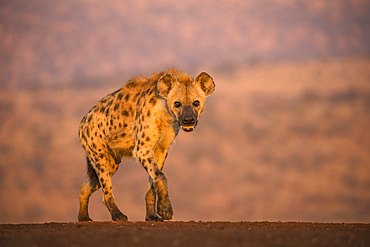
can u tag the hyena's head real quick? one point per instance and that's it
(186, 97)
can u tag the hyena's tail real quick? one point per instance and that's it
(94, 180)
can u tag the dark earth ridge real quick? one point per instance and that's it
(191, 233)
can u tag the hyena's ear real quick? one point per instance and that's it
(206, 82)
(165, 84)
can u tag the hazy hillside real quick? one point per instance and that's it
(278, 141)
(50, 43)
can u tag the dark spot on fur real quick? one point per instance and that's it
(89, 119)
(107, 112)
(123, 134)
(88, 132)
(153, 100)
(119, 96)
(84, 137)
(137, 95)
(162, 149)
(147, 139)
(101, 180)
(157, 173)
(143, 135)
(105, 192)
(102, 109)
(127, 97)
(102, 170)
(125, 125)
(130, 83)
(148, 114)
(94, 145)
(147, 152)
(125, 113)
(116, 107)
(149, 160)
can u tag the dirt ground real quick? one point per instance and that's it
(178, 233)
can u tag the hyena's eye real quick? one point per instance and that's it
(196, 103)
(177, 104)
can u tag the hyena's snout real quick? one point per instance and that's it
(188, 120)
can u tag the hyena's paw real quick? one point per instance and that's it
(118, 216)
(154, 218)
(84, 219)
(164, 209)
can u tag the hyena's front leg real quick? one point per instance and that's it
(150, 201)
(164, 205)
(158, 186)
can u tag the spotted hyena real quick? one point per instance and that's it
(140, 120)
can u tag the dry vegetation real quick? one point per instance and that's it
(279, 141)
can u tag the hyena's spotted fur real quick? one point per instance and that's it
(140, 120)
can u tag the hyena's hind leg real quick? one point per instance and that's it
(106, 167)
(89, 187)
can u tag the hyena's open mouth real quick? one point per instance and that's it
(188, 128)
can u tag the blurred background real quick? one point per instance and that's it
(284, 137)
